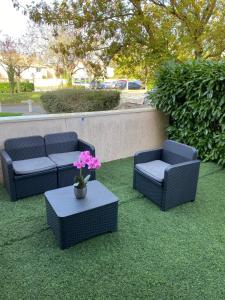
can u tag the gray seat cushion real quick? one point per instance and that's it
(64, 159)
(154, 169)
(32, 165)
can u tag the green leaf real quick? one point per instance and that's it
(87, 178)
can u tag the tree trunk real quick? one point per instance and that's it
(198, 52)
(18, 81)
(69, 79)
(11, 78)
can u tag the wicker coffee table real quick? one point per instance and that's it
(73, 221)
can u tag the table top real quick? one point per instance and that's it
(65, 204)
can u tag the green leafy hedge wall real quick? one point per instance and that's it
(193, 95)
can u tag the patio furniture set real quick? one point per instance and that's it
(32, 165)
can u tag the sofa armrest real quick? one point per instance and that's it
(7, 163)
(180, 183)
(148, 155)
(84, 146)
(8, 174)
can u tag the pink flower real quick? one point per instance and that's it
(79, 164)
(84, 155)
(86, 158)
(98, 166)
(94, 163)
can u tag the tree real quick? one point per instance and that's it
(25, 59)
(15, 59)
(8, 60)
(68, 55)
(200, 26)
(154, 30)
(71, 54)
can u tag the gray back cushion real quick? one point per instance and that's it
(61, 142)
(25, 147)
(174, 152)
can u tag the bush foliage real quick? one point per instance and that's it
(79, 100)
(193, 95)
(24, 87)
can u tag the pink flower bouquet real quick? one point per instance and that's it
(85, 160)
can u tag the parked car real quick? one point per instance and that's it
(86, 85)
(104, 85)
(121, 84)
(95, 85)
(132, 85)
(110, 84)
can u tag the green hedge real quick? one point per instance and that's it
(193, 95)
(24, 87)
(79, 100)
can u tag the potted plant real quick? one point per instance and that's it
(92, 163)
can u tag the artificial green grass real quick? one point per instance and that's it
(6, 114)
(7, 98)
(178, 254)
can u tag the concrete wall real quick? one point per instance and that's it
(115, 134)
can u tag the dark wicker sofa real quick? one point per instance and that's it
(29, 166)
(167, 176)
(63, 149)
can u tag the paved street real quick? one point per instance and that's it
(23, 108)
(132, 96)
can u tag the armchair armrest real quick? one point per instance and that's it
(148, 155)
(84, 146)
(8, 174)
(180, 183)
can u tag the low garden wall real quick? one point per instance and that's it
(115, 134)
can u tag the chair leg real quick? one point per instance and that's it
(163, 208)
(134, 181)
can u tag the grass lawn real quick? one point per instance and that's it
(178, 254)
(17, 98)
(6, 114)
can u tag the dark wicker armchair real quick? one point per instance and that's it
(168, 176)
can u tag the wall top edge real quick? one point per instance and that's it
(74, 115)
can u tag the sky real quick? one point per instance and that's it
(12, 22)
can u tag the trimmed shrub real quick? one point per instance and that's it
(193, 95)
(79, 100)
(4, 87)
(24, 87)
